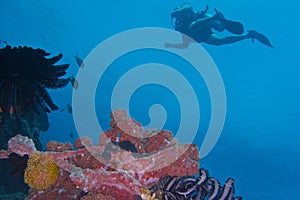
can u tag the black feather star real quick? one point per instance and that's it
(202, 187)
(25, 76)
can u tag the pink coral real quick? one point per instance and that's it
(107, 169)
(58, 146)
(21, 145)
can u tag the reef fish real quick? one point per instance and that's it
(79, 61)
(74, 82)
(68, 107)
(3, 41)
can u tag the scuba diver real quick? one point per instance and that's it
(199, 26)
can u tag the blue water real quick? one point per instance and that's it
(259, 143)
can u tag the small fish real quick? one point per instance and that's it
(71, 135)
(69, 108)
(3, 41)
(79, 61)
(74, 82)
(126, 145)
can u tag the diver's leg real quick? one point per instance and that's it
(201, 23)
(210, 21)
(177, 45)
(260, 37)
(215, 40)
(185, 43)
(217, 25)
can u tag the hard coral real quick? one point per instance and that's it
(58, 146)
(97, 196)
(41, 171)
(63, 189)
(111, 170)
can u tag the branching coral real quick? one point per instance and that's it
(25, 74)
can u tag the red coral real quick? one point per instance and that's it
(83, 142)
(109, 193)
(58, 146)
(97, 196)
(63, 189)
(125, 128)
(21, 145)
(158, 141)
(78, 144)
(107, 169)
(3, 154)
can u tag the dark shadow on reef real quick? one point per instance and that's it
(12, 184)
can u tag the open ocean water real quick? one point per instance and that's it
(259, 144)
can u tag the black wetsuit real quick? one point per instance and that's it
(201, 34)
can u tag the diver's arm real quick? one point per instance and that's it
(185, 43)
(207, 18)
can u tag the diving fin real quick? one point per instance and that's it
(260, 37)
(233, 26)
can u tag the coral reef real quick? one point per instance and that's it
(193, 188)
(58, 146)
(97, 196)
(25, 76)
(63, 189)
(41, 171)
(144, 164)
(29, 125)
(21, 146)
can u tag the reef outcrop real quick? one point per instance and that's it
(128, 163)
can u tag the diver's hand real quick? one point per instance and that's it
(218, 16)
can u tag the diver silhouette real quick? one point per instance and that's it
(199, 26)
